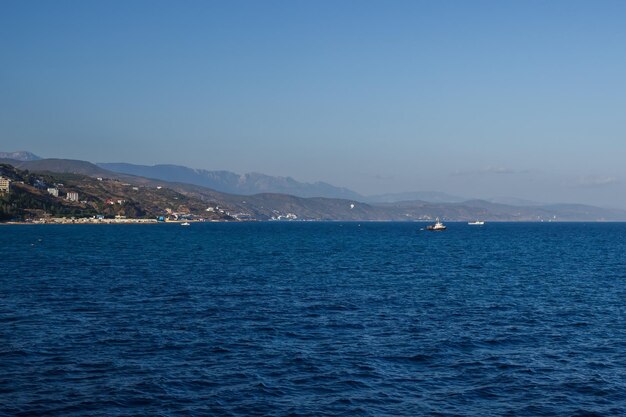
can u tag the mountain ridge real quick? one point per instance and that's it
(249, 183)
(19, 156)
(268, 206)
(233, 183)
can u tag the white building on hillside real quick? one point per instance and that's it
(72, 196)
(5, 185)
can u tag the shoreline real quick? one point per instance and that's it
(101, 222)
(154, 221)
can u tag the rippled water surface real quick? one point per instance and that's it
(313, 319)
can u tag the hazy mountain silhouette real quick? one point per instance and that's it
(429, 196)
(264, 206)
(254, 194)
(232, 183)
(19, 156)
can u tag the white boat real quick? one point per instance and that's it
(437, 227)
(185, 224)
(476, 223)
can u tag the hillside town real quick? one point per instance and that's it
(76, 199)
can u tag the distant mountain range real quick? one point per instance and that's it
(68, 166)
(19, 156)
(314, 201)
(429, 196)
(255, 183)
(230, 182)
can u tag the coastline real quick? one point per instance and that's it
(97, 221)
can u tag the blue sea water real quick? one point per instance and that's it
(313, 319)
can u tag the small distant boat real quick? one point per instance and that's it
(185, 224)
(437, 227)
(476, 223)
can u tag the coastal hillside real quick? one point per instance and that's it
(154, 197)
(35, 195)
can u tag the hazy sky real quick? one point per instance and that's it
(498, 98)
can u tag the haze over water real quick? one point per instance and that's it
(313, 319)
(481, 99)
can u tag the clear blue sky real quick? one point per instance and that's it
(478, 98)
